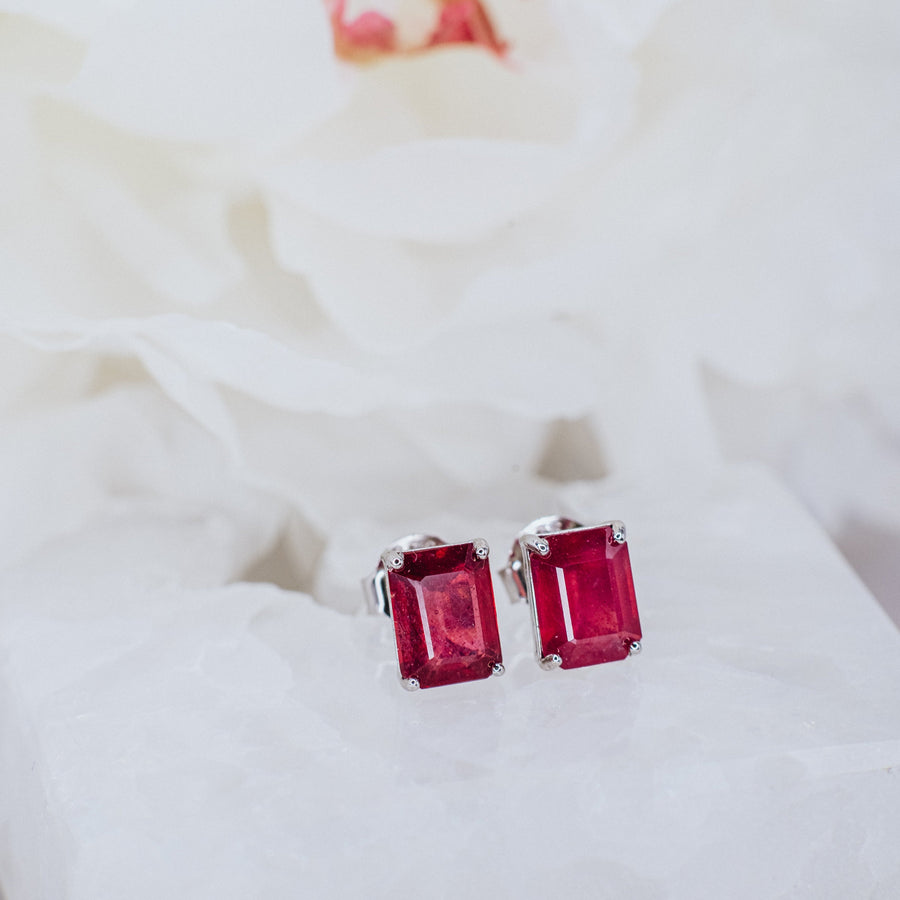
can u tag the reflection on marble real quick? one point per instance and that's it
(166, 734)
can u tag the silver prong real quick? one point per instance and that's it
(376, 586)
(498, 669)
(378, 592)
(634, 648)
(482, 550)
(550, 525)
(618, 532)
(553, 661)
(513, 580)
(392, 559)
(536, 543)
(410, 684)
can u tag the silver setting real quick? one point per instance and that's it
(536, 543)
(375, 587)
(377, 592)
(513, 579)
(550, 525)
(634, 648)
(516, 575)
(513, 575)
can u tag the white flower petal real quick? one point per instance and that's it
(213, 70)
(79, 17)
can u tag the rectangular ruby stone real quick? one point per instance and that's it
(445, 620)
(584, 597)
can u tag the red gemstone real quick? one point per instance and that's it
(445, 621)
(584, 597)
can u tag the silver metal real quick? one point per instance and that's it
(634, 648)
(550, 525)
(536, 543)
(516, 575)
(377, 593)
(417, 542)
(529, 537)
(511, 575)
(392, 559)
(375, 587)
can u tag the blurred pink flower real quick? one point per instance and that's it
(369, 34)
(372, 34)
(465, 22)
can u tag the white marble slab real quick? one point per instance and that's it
(163, 735)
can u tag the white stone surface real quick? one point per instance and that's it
(165, 734)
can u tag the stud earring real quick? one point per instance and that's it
(578, 584)
(441, 600)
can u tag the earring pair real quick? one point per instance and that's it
(576, 580)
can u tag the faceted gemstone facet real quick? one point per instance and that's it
(584, 597)
(445, 621)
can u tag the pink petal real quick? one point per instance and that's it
(372, 34)
(465, 22)
(369, 34)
